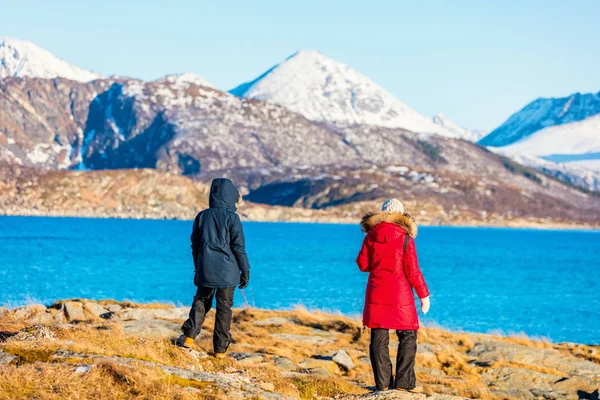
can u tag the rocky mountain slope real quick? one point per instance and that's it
(19, 58)
(325, 90)
(107, 349)
(181, 125)
(319, 195)
(542, 113)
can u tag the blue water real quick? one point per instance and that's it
(542, 283)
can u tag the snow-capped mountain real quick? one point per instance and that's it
(187, 78)
(471, 135)
(543, 113)
(575, 141)
(322, 89)
(19, 58)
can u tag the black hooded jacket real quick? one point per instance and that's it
(218, 244)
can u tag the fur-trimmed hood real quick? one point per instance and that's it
(404, 221)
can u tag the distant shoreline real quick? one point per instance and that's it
(513, 224)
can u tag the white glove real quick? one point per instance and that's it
(425, 304)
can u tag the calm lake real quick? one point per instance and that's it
(542, 283)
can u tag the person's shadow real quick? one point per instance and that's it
(582, 394)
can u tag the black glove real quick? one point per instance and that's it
(244, 279)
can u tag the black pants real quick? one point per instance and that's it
(405, 361)
(201, 305)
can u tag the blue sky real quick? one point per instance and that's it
(475, 61)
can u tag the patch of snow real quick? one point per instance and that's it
(181, 81)
(471, 135)
(576, 174)
(19, 58)
(575, 138)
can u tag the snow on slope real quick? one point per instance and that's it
(186, 78)
(471, 135)
(323, 89)
(573, 141)
(19, 58)
(575, 174)
(542, 113)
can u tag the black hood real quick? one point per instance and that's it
(223, 194)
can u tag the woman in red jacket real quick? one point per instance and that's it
(389, 256)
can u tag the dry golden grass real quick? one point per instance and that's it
(446, 368)
(537, 368)
(105, 380)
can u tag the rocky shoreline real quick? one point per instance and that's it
(106, 349)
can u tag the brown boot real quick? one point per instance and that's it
(416, 389)
(187, 342)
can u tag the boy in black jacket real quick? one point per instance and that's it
(219, 252)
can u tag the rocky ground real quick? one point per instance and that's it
(107, 349)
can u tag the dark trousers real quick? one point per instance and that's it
(201, 305)
(405, 361)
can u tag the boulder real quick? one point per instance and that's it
(268, 386)
(74, 311)
(313, 366)
(284, 364)
(95, 309)
(59, 317)
(27, 312)
(151, 328)
(247, 358)
(114, 308)
(318, 340)
(6, 358)
(275, 321)
(140, 314)
(342, 359)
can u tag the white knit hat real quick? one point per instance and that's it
(393, 206)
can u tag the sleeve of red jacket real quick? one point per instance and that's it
(364, 258)
(412, 271)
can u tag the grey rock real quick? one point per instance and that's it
(59, 317)
(33, 334)
(82, 369)
(114, 308)
(26, 312)
(320, 340)
(275, 321)
(141, 314)
(74, 311)
(95, 308)
(151, 328)
(247, 358)
(365, 360)
(342, 359)
(489, 352)
(6, 358)
(284, 364)
(318, 371)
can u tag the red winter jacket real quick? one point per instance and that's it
(389, 301)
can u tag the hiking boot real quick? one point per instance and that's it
(220, 356)
(187, 342)
(416, 389)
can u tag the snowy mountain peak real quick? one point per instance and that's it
(472, 135)
(19, 58)
(187, 77)
(323, 89)
(542, 113)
